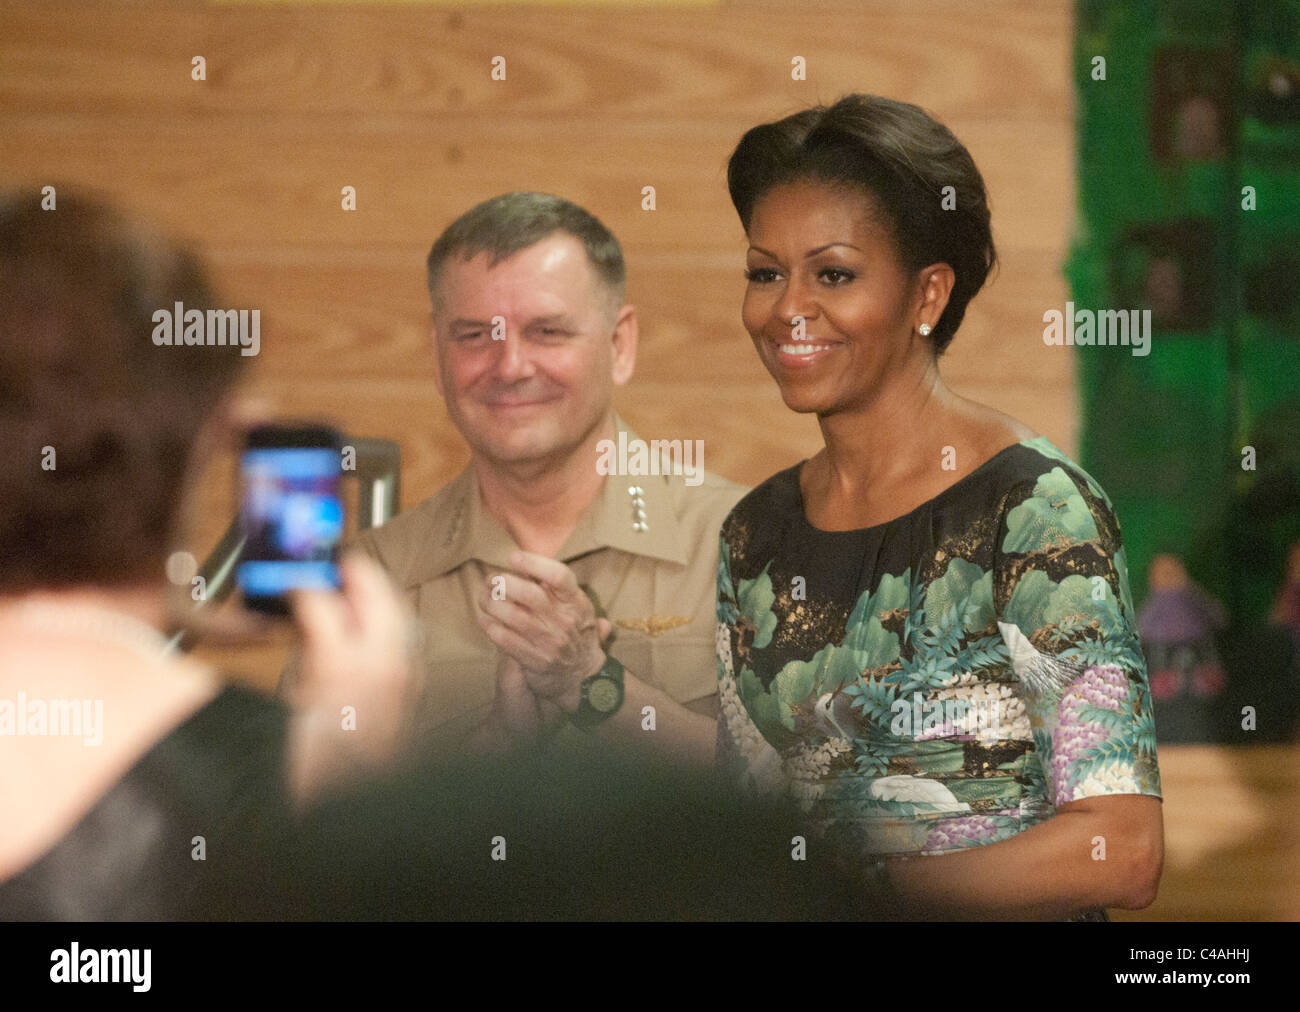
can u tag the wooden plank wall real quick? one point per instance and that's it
(301, 100)
(598, 101)
(398, 102)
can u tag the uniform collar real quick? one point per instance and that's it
(637, 515)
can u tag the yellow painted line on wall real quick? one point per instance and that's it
(467, 4)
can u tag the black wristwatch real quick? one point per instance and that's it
(602, 695)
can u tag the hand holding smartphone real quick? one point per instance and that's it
(357, 695)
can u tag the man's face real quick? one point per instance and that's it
(538, 389)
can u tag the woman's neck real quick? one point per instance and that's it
(890, 438)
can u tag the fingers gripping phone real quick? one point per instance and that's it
(292, 514)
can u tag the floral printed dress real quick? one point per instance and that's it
(944, 680)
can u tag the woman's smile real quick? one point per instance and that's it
(802, 354)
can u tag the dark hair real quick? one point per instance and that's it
(504, 225)
(903, 159)
(80, 374)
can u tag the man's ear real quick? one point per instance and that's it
(624, 338)
(436, 348)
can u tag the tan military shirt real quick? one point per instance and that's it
(647, 547)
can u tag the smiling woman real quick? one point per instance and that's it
(936, 554)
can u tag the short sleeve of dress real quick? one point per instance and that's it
(1066, 614)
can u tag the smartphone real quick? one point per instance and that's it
(292, 514)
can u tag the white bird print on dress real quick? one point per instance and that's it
(823, 712)
(1038, 672)
(908, 788)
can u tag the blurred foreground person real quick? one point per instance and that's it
(601, 834)
(133, 781)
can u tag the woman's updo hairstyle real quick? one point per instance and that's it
(903, 159)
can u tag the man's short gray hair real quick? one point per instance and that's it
(505, 225)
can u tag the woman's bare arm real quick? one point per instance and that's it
(1098, 852)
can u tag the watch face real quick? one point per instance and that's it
(603, 695)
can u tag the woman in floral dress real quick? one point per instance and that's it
(926, 634)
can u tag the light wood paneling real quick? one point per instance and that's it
(227, 181)
(1005, 59)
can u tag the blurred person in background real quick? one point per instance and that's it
(1286, 605)
(1180, 624)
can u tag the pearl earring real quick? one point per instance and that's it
(924, 329)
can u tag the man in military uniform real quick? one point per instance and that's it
(553, 595)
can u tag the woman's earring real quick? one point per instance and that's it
(924, 329)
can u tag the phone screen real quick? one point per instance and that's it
(292, 516)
